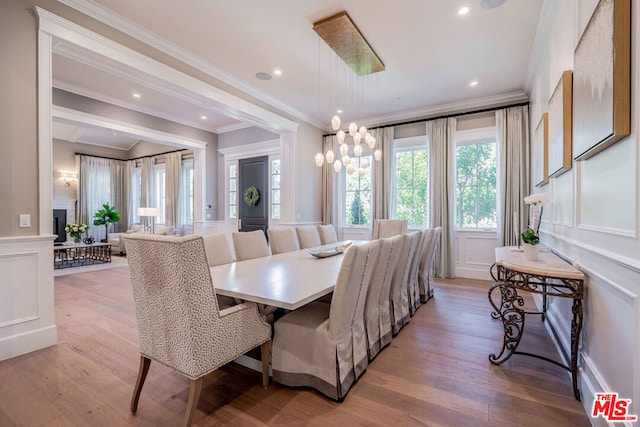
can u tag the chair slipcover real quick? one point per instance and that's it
(398, 296)
(376, 305)
(249, 245)
(308, 237)
(388, 227)
(179, 322)
(324, 345)
(283, 240)
(413, 290)
(327, 234)
(425, 276)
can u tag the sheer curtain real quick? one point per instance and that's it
(119, 193)
(94, 190)
(328, 216)
(440, 134)
(513, 159)
(382, 172)
(133, 193)
(173, 169)
(147, 184)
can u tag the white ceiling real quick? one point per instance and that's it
(430, 52)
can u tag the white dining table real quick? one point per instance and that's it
(288, 280)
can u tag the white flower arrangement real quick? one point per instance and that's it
(536, 203)
(76, 230)
(537, 199)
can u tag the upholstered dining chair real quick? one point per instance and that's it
(283, 240)
(376, 307)
(218, 249)
(327, 234)
(388, 228)
(308, 237)
(425, 275)
(398, 296)
(324, 345)
(413, 290)
(250, 244)
(179, 322)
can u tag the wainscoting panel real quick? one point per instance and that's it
(599, 208)
(27, 320)
(19, 285)
(562, 207)
(475, 253)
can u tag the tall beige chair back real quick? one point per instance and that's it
(179, 322)
(376, 309)
(388, 227)
(218, 249)
(413, 289)
(425, 276)
(324, 345)
(327, 234)
(283, 240)
(249, 245)
(398, 295)
(308, 237)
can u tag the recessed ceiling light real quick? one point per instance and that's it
(339, 111)
(203, 117)
(463, 10)
(277, 72)
(474, 83)
(136, 95)
(263, 76)
(490, 4)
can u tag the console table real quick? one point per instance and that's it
(549, 276)
(80, 254)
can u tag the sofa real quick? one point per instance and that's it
(117, 239)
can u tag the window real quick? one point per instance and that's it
(411, 191)
(358, 194)
(233, 191)
(161, 200)
(476, 195)
(275, 188)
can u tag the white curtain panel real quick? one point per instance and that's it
(327, 183)
(132, 194)
(173, 171)
(513, 159)
(118, 194)
(94, 182)
(442, 151)
(382, 172)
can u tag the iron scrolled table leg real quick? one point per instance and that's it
(576, 327)
(512, 317)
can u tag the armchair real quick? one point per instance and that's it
(179, 322)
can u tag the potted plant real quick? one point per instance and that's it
(531, 244)
(105, 216)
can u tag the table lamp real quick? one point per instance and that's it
(149, 212)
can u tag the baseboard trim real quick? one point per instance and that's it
(26, 342)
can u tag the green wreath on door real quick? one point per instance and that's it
(251, 196)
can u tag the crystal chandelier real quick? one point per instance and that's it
(358, 135)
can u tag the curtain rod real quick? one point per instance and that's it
(445, 116)
(135, 158)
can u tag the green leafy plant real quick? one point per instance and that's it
(105, 216)
(529, 236)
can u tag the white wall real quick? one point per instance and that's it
(593, 221)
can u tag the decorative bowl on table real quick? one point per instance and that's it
(327, 251)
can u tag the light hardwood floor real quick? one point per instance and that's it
(435, 373)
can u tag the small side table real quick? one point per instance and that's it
(549, 276)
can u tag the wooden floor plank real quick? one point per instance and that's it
(435, 372)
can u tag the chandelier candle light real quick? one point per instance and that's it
(358, 135)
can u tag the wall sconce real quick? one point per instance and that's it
(68, 177)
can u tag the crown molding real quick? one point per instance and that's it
(549, 16)
(107, 17)
(233, 127)
(445, 109)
